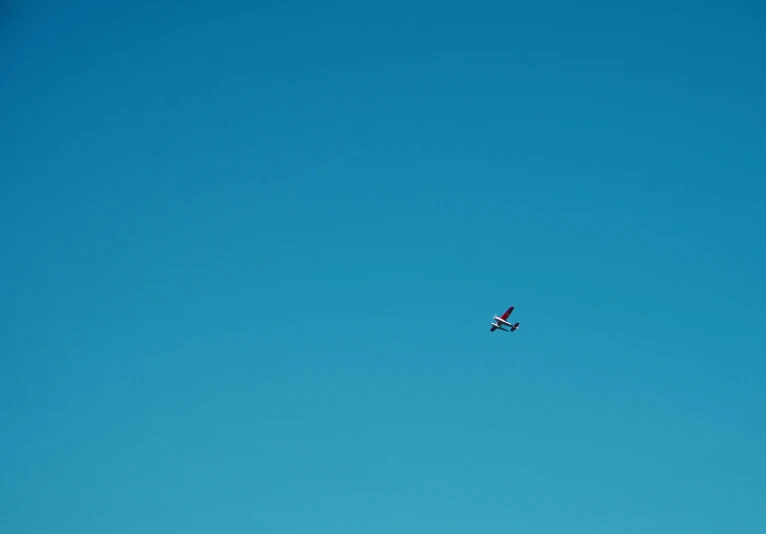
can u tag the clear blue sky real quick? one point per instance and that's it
(249, 255)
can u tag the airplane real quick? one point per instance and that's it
(501, 321)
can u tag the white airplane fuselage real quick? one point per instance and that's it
(501, 321)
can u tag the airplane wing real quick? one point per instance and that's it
(507, 313)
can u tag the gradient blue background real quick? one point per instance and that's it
(249, 256)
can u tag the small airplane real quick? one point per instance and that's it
(501, 321)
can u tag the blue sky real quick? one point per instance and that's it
(250, 254)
